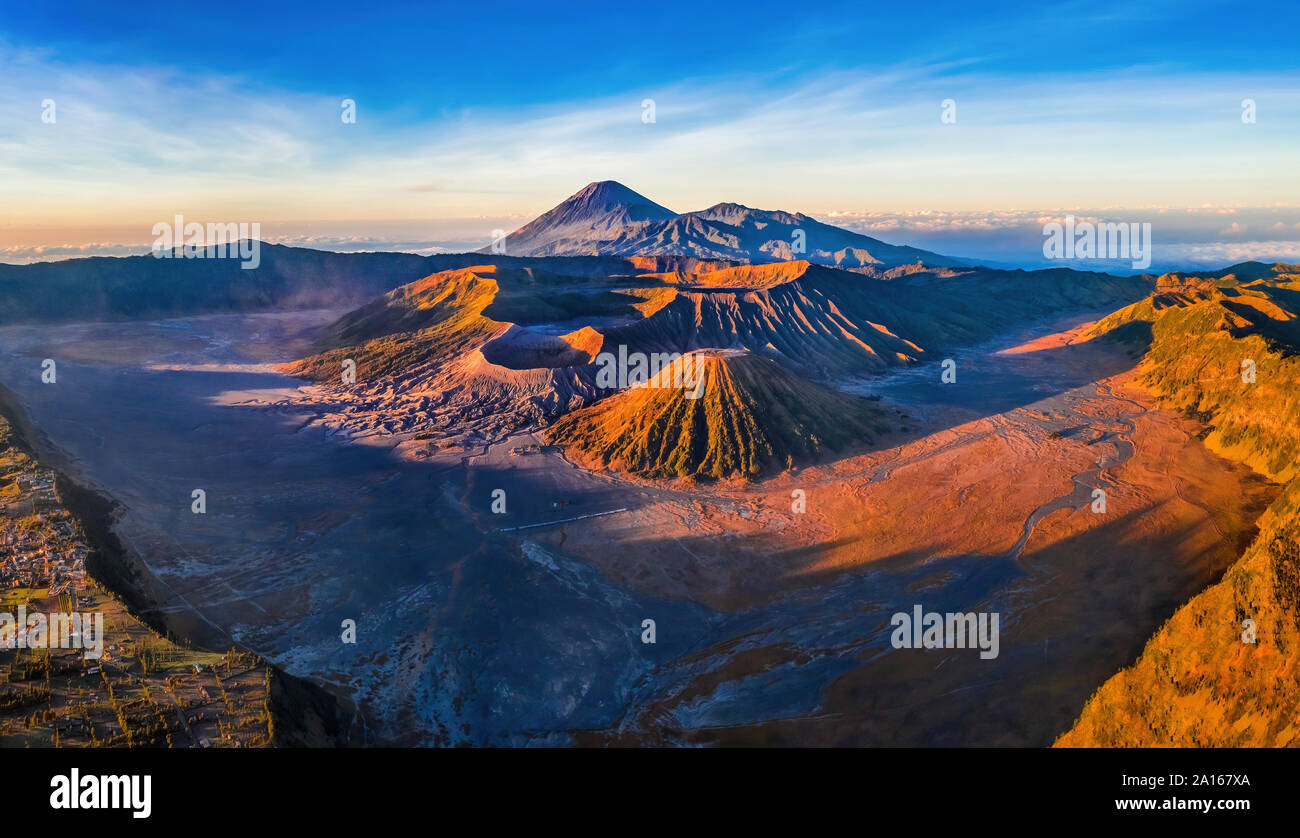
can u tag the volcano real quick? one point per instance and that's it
(608, 218)
(595, 214)
(745, 415)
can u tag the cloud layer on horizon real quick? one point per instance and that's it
(136, 145)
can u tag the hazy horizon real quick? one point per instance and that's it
(1191, 238)
(886, 123)
(418, 375)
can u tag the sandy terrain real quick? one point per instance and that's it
(524, 626)
(990, 514)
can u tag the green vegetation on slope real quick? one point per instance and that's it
(1198, 683)
(752, 416)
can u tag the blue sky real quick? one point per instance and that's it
(419, 59)
(474, 117)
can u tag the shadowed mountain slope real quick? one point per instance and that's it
(827, 322)
(596, 213)
(820, 321)
(113, 288)
(492, 350)
(124, 288)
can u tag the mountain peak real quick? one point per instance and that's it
(611, 189)
(745, 416)
(729, 206)
(729, 212)
(595, 213)
(606, 218)
(602, 196)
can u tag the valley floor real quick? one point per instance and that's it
(992, 513)
(772, 623)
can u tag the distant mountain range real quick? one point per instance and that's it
(607, 218)
(605, 230)
(128, 287)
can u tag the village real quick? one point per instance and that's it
(39, 540)
(139, 689)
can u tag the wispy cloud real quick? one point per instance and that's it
(134, 145)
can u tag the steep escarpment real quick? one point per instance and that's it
(1228, 355)
(214, 281)
(1200, 681)
(415, 324)
(432, 321)
(156, 649)
(827, 322)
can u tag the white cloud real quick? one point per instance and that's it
(137, 145)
